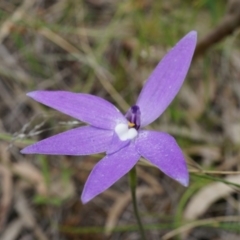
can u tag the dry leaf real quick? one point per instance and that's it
(32, 174)
(202, 200)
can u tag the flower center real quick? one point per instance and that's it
(133, 117)
(125, 133)
(129, 131)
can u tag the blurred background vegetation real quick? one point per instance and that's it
(109, 48)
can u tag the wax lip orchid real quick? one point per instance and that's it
(122, 137)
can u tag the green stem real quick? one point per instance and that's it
(133, 184)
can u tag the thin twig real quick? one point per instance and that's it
(201, 222)
(226, 27)
(6, 27)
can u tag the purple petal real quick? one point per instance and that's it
(116, 144)
(79, 141)
(162, 150)
(166, 80)
(108, 170)
(85, 107)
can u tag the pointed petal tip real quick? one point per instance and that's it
(184, 181)
(88, 194)
(192, 33)
(26, 151)
(31, 94)
(85, 199)
(23, 151)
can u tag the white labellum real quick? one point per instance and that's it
(125, 133)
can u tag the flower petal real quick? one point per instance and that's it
(162, 150)
(166, 80)
(116, 144)
(88, 108)
(108, 170)
(79, 141)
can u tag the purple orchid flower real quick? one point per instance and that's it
(122, 137)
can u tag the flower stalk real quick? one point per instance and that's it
(133, 185)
